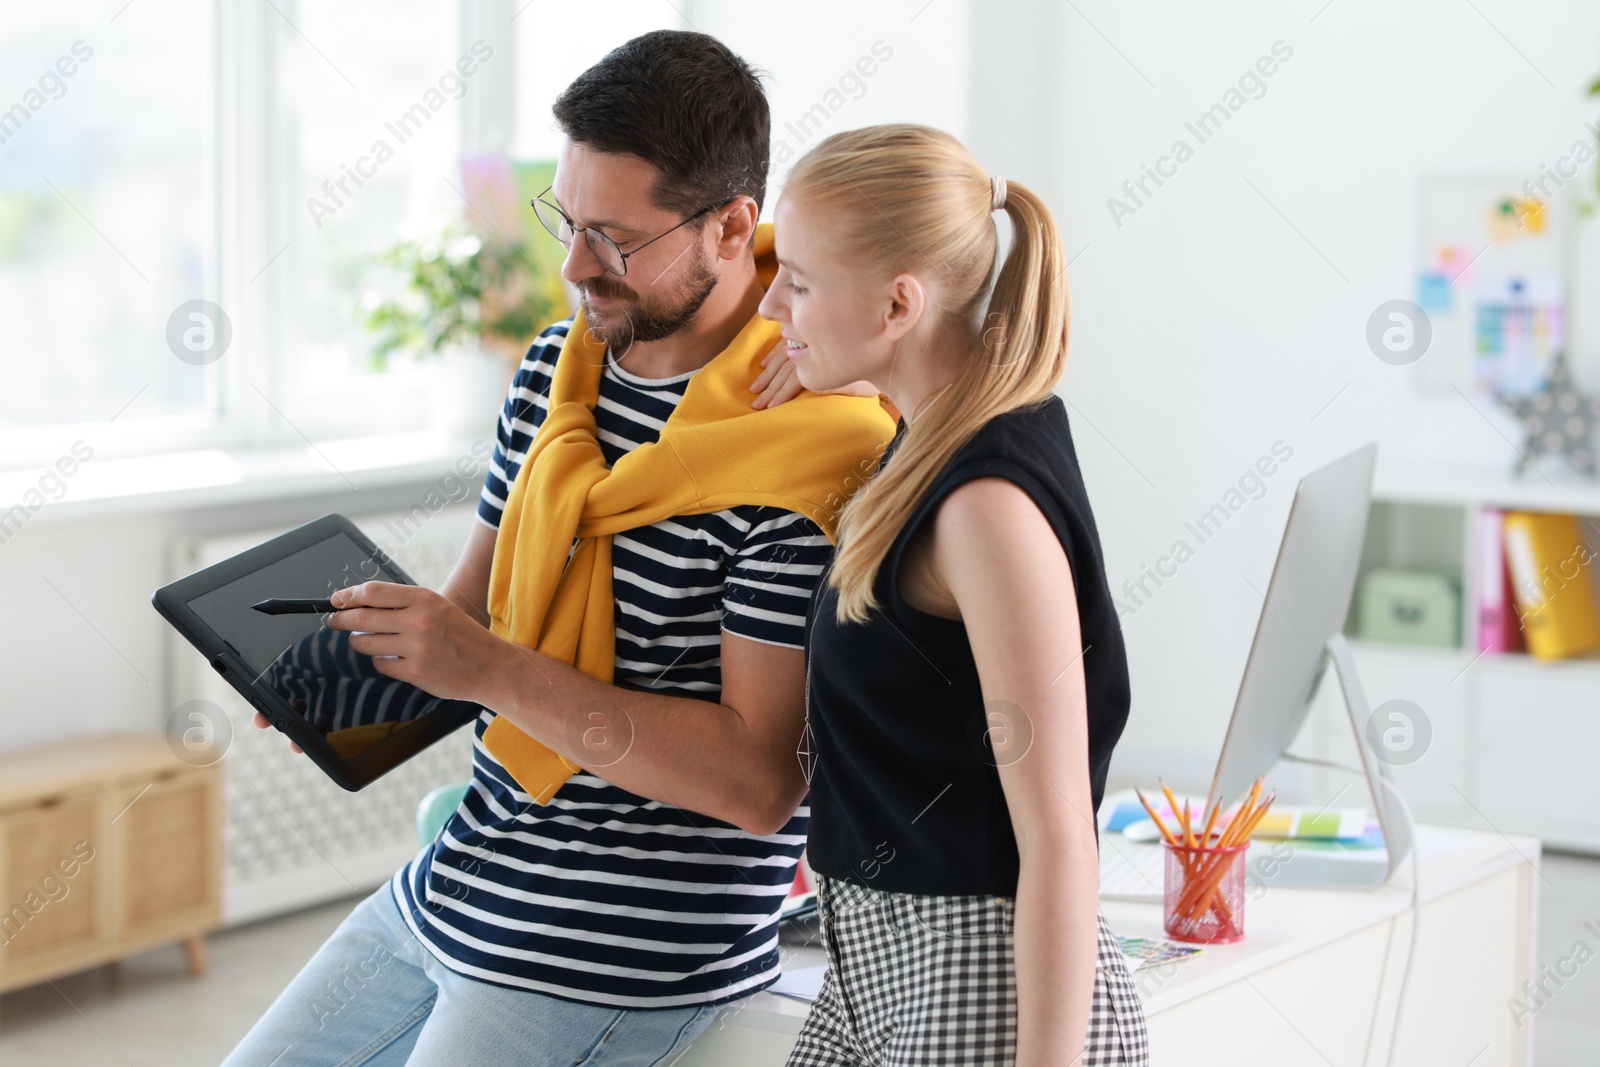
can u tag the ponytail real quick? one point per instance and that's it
(912, 198)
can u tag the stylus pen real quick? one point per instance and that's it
(277, 606)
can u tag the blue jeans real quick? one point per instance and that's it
(374, 996)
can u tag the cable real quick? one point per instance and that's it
(1416, 898)
(1416, 915)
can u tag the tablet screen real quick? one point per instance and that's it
(338, 690)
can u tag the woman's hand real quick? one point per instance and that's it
(780, 381)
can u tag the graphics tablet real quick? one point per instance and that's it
(354, 722)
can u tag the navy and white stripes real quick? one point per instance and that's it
(602, 896)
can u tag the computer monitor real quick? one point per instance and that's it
(1298, 636)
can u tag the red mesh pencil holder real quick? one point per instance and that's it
(1203, 893)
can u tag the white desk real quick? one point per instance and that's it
(1301, 987)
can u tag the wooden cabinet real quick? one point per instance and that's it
(108, 846)
(54, 909)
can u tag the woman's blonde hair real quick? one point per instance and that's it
(908, 198)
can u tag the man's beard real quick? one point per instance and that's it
(651, 318)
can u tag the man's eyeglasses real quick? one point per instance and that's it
(604, 248)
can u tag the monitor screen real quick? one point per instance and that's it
(1305, 604)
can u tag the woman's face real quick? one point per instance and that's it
(832, 317)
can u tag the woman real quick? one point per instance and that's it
(967, 679)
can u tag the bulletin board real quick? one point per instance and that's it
(1491, 273)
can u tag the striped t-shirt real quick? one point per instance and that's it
(603, 896)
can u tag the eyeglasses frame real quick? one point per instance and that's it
(587, 230)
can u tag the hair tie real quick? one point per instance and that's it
(997, 193)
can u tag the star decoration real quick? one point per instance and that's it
(1557, 419)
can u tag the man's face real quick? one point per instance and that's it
(666, 283)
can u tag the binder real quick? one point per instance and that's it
(1550, 565)
(1498, 629)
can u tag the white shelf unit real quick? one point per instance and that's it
(1514, 738)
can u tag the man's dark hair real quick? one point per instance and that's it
(683, 102)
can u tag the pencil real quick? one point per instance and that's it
(1240, 817)
(1165, 834)
(1258, 816)
(1255, 795)
(1172, 802)
(1211, 820)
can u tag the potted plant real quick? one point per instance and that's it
(468, 305)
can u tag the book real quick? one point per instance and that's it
(1141, 952)
(1511, 623)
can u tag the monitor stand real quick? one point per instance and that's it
(1354, 869)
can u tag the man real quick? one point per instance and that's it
(614, 872)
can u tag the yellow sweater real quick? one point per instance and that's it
(714, 452)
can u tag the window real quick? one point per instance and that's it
(370, 94)
(104, 220)
(180, 150)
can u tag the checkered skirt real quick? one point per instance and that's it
(930, 980)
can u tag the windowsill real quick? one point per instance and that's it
(209, 477)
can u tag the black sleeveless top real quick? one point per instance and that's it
(905, 794)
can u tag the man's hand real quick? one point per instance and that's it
(262, 724)
(780, 381)
(413, 635)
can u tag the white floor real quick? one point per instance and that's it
(153, 1015)
(1567, 1027)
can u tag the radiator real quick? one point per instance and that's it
(291, 838)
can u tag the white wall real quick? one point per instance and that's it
(830, 65)
(1206, 327)
(839, 64)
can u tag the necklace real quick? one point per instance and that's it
(928, 403)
